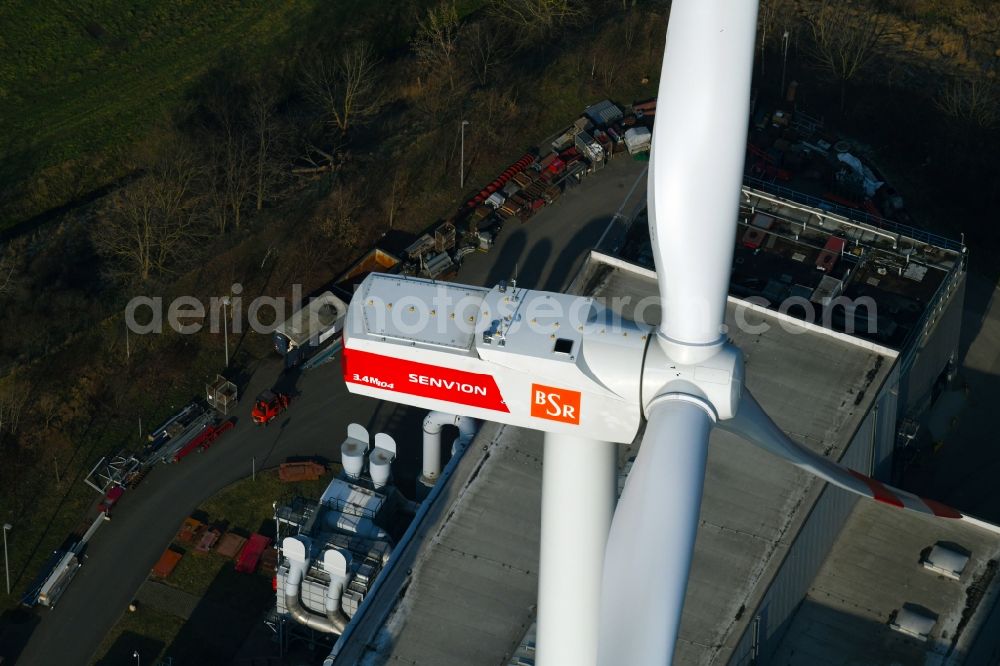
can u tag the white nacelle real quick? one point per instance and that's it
(533, 359)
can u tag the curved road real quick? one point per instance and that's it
(546, 252)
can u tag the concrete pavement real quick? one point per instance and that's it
(545, 251)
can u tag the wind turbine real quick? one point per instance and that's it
(612, 580)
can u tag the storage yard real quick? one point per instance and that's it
(166, 494)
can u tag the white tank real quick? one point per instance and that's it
(379, 466)
(352, 456)
(352, 451)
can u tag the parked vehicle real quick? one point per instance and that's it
(58, 581)
(111, 498)
(268, 406)
(309, 328)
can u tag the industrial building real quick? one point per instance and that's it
(849, 330)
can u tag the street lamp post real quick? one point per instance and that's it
(461, 179)
(784, 60)
(135, 653)
(6, 565)
(225, 324)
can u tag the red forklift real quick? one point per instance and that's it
(268, 406)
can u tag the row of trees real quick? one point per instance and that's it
(251, 139)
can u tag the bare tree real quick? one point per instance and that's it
(844, 40)
(772, 16)
(344, 86)
(974, 101)
(436, 42)
(231, 163)
(8, 265)
(261, 108)
(398, 193)
(339, 215)
(497, 110)
(13, 398)
(607, 62)
(630, 26)
(481, 47)
(538, 18)
(150, 221)
(232, 179)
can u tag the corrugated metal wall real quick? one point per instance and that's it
(887, 420)
(935, 348)
(814, 541)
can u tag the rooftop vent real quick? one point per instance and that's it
(913, 620)
(947, 559)
(563, 346)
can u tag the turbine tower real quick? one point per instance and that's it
(612, 580)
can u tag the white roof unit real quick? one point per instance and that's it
(914, 621)
(946, 559)
(353, 450)
(320, 318)
(341, 493)
(638, 140)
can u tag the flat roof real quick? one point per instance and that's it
(754, 503)
(780, 244)
(472, 592)
(873, 571)
(473, 587)
(313, 318)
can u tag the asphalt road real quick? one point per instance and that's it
(545, 252)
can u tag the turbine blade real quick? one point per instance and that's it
(696, 162)
(754, 425)
(652, 537)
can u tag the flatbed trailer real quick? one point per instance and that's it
(204, 439)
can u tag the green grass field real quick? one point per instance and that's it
(78, 79)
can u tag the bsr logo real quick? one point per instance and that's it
(555, 404)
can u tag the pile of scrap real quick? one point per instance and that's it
(431, 254)
(191, 529)
(167, 562)
(230, 545)
(300, 471)
(208, 540)
(526, 160)
(250, 554)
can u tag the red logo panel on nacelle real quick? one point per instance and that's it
(555, 404)
(422, 379)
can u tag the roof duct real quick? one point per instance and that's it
(352, 451)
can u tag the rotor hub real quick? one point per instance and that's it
(711, 375)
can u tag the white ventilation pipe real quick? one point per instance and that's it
(353, 450)
(380, 460)
(296, 551)
(336, 564)
(433, 423)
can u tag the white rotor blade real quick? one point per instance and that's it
(696, 161)
(652, 537)
(754, 425)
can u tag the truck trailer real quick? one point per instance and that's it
(316, 323)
